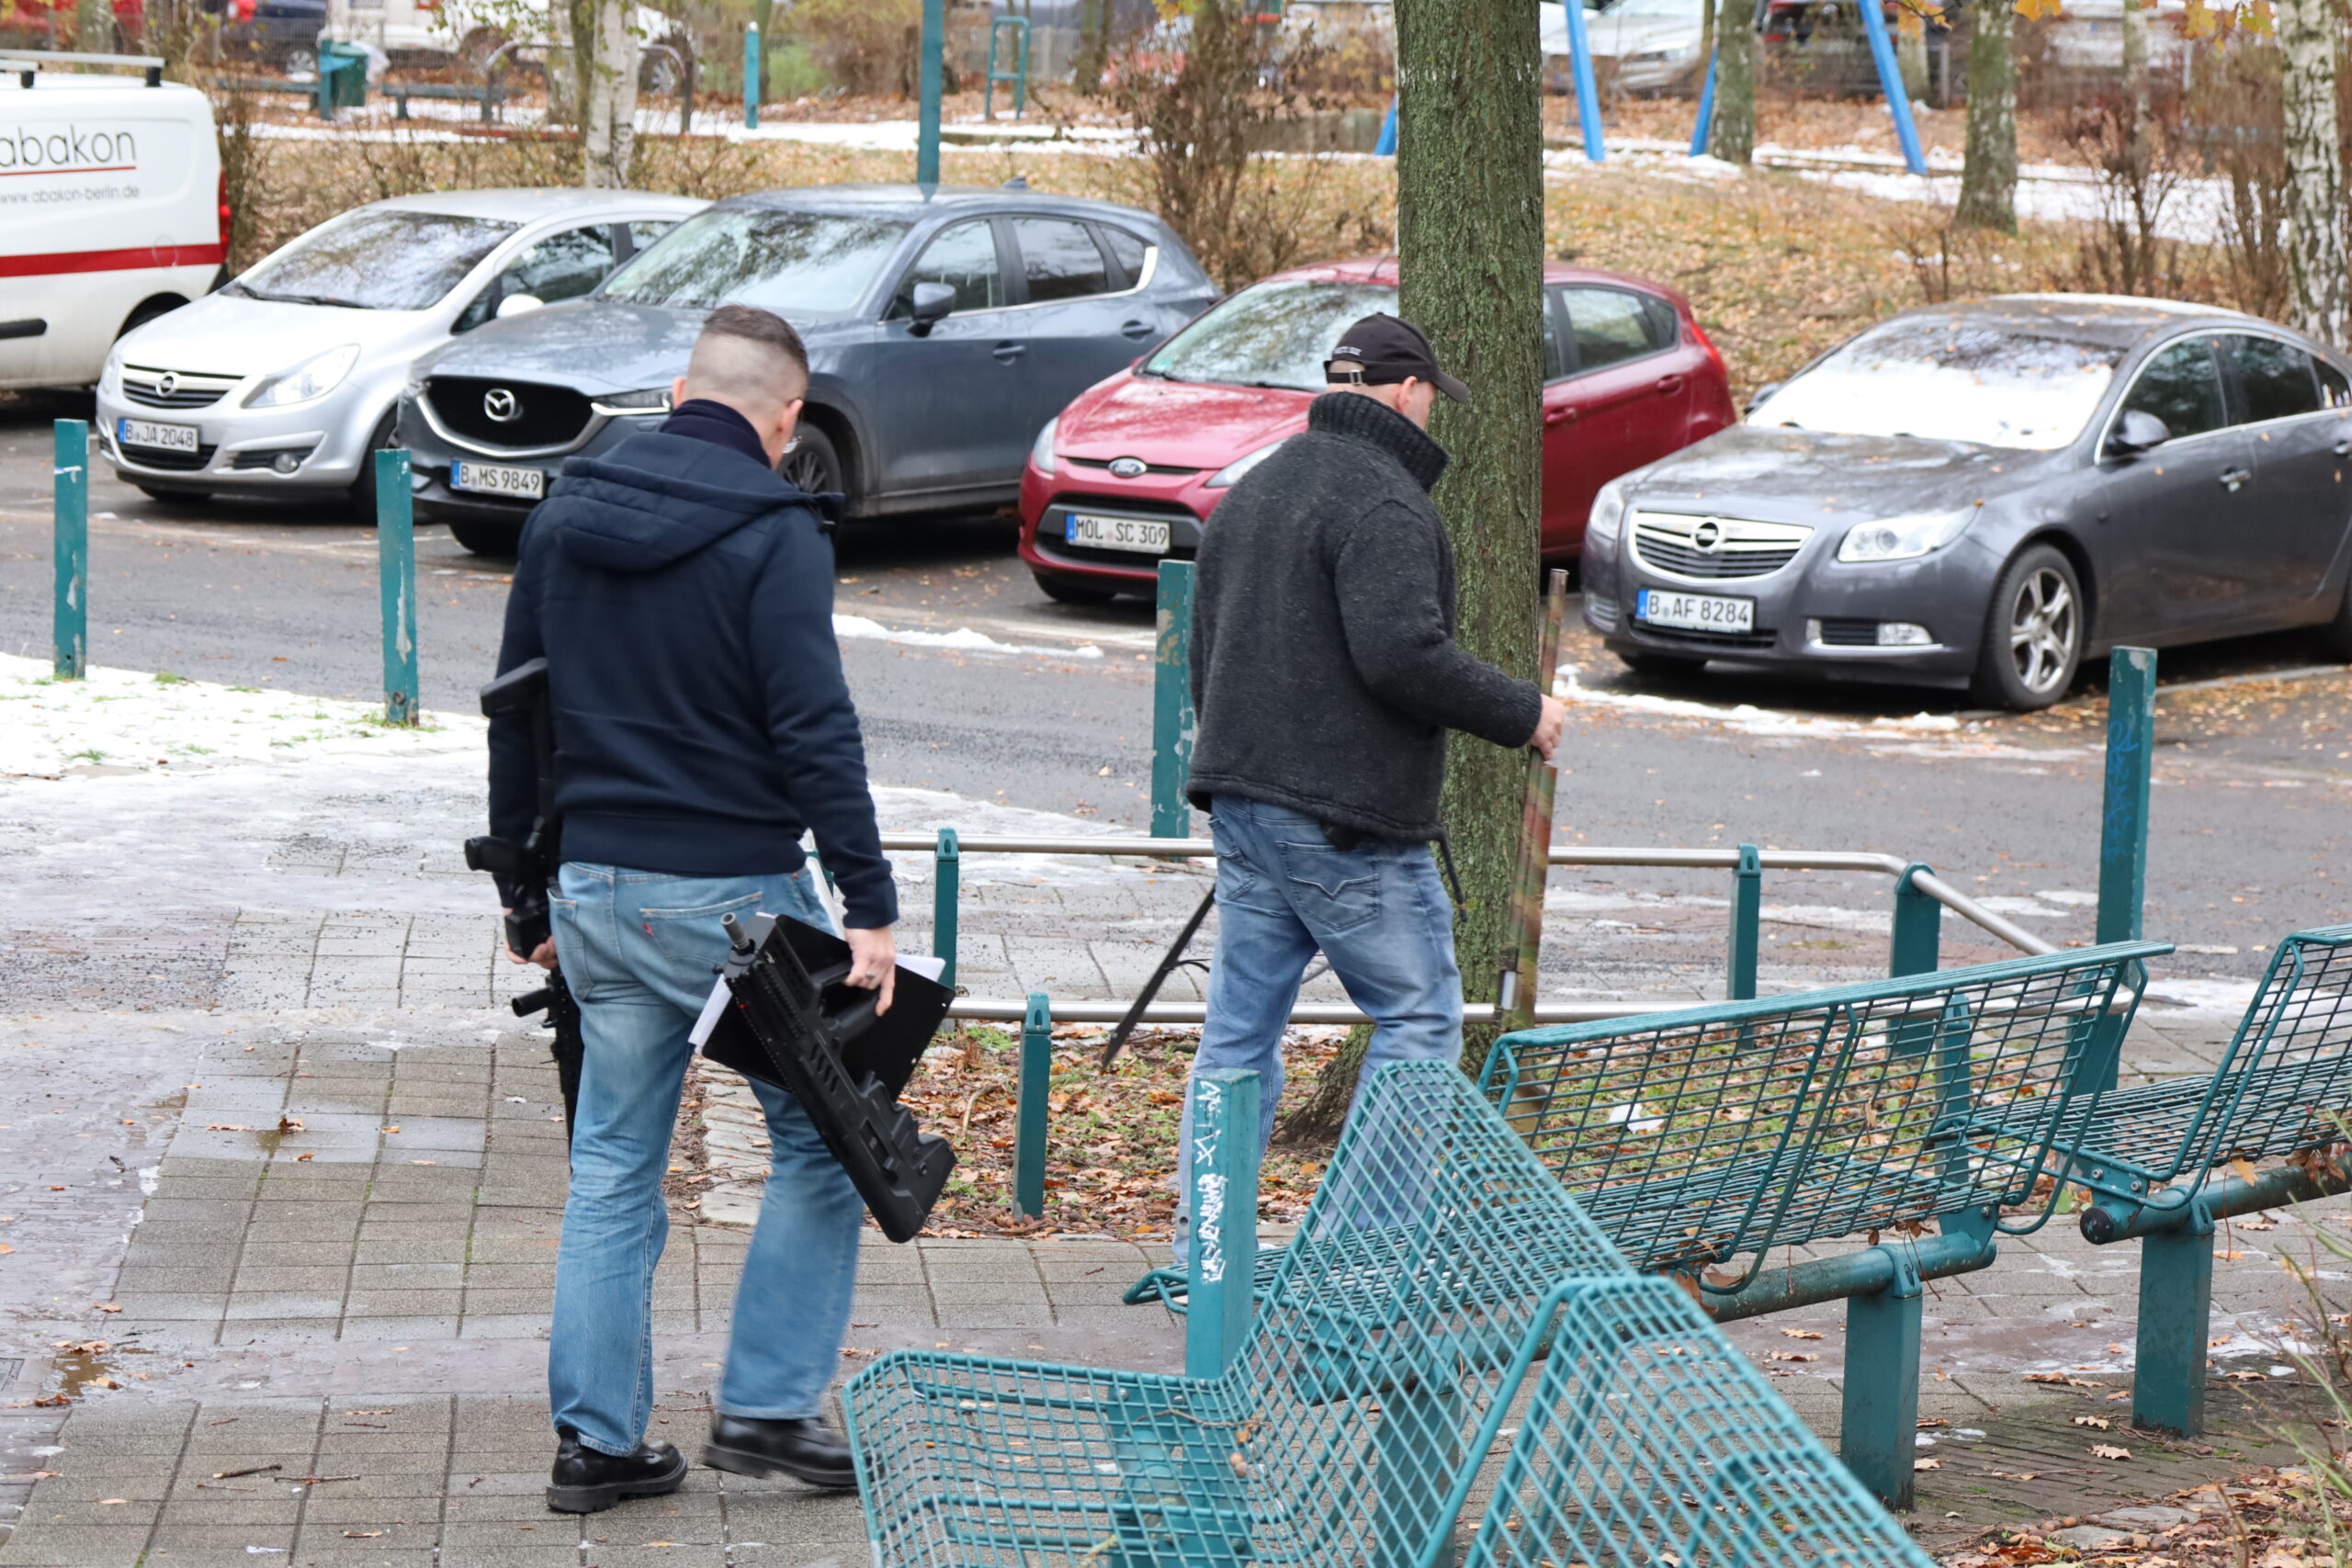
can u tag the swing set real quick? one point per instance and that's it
(1890, 79)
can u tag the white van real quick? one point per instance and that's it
(111, 211)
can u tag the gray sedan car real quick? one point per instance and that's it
(1983, 495)
(944, 327)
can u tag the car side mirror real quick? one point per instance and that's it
(1756, 398)
(932, 302)
(518, 305)
(2138, 431)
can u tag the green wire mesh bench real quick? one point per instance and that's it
(1437, 1261)
(2156, 1157)
(1649, 1440)
(1699, 1139)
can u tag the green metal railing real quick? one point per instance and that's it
(1018, 77)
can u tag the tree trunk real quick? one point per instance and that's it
(763, 13)
(2316, 260)
(609, 126)
(1470, 231)
(94, 26)
(2135, 73)
(1988, 180)
(1094, 45)
(1732, 137)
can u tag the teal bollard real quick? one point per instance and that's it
(1224, 1208)
(2176, 1316)
(396, 579)
(1029, 1124)
(1747, 924)
(1172, 703)
(946, 890)
(929, 79)
(1879, 1414)
(70, 496)
(751, 75)
(1917, 945)
(2123, 829)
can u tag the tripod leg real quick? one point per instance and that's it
(1168, 962)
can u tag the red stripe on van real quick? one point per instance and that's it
(114, 260)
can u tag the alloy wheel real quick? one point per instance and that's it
(2044, 627)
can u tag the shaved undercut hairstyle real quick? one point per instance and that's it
(748, 357)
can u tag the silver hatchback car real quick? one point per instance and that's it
(281, 384)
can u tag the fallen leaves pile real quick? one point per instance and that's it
(1110, 1138)
(2267, 1519)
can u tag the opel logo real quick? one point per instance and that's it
(167, 383)
(502, 405)
(1707, 535)
(1128, 467)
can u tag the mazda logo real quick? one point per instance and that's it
(1128, 467)
(502, 405)
(1707, 535)
(167, 383)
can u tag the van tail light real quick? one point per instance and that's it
(227, 217)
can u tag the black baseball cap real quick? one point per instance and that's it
(1382, 350)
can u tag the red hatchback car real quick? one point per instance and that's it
(1128, 472)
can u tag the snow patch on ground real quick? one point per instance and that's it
(962, 638)
(1748, 719)
(2226, 998)
(128, 719)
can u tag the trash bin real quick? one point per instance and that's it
(343, 77)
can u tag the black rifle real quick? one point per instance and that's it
(793, 1020)
(523, 871)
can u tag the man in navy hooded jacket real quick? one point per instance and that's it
(682, 595)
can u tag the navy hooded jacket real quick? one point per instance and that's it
(682, 594)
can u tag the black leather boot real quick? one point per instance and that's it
(587, 1482)
(802, 1446)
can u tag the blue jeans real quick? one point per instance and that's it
(1378, 912)
(638, 950)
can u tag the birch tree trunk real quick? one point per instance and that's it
(1989, 178)
(1732, 137)
(2135, 72)
(609, 131)
(2316, 261)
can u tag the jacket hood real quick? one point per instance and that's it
(656, 499)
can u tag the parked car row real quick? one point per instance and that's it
(1980, 495)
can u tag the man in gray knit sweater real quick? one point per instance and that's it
(1326, 676)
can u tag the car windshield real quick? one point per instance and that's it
(796, 264)
(1944, 378)
(378, 260)
(1276, 335)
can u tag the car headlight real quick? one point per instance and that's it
(110, 373)
(1231, 473)
(652, 399)
(1041, 454)
(1903, 538)
(1607, 513)
(313, 377)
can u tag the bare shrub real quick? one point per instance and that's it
(865, 46)
(2121, 250)
(2234, 108)
(1950, 260)
(1204, 95)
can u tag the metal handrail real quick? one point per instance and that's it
(1926, 881)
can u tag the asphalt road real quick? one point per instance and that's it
(2253, 825)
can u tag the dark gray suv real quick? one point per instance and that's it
(944, 328)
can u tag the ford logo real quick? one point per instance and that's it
(167, 383)
(1128, 468)
(1707, 535)
(502, 405)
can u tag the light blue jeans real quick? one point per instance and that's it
(1378, 912)
(640, 950)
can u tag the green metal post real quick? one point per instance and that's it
(1881, 1396)
(2176, 1310)
(70, 498)
(396, 578)
(946, 889)
(1224, 1206)
(1172, 703)
(1918, 929)
(751, 63)
(1029, 1125)
(934, 36)
(2123, 835)
(1747, 920)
